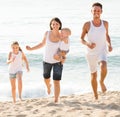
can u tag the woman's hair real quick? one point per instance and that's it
(16, 43)
(57, 20)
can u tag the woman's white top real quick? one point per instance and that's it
(50, 50)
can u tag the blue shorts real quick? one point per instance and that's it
(57, 70)
(14, 75)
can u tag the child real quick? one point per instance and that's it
(14, 60)
(64, 45)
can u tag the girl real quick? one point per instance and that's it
(14, 60)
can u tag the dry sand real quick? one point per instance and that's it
(82, 105)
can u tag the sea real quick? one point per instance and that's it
(26, 21)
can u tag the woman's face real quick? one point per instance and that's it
(55, 25)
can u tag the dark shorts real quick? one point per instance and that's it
(57, 70)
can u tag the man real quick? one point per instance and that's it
(97, 36)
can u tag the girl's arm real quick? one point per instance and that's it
(10, 59)
(26, 61)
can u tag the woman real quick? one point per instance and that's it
(51, 41)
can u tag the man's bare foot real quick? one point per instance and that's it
(96, 96)
(103, 87)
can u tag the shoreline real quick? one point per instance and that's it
(75, 105)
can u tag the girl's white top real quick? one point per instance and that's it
(16, 65)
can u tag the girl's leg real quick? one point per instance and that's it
(19, 77)
(13, 88)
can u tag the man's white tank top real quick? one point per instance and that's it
(16, 65)
(97, 35)
(50, 50)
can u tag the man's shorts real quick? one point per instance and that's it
(93, 61)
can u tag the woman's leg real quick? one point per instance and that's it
(56, 89)
(57, 74)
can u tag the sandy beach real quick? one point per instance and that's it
(83, 105)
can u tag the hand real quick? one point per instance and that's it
(91, 45)
(12, 60)
(28, 47)
(110, 48)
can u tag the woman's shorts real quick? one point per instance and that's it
(57, 70)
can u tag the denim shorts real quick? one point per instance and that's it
(14, 75)
(57, 70)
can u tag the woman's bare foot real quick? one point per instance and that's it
(49, 89)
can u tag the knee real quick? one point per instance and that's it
(103, 66)
(46, 75)
(56, 76)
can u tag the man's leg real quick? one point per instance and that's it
(94, 84)
(103, 73)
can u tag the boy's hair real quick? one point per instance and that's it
(67, 30)
(16, 43)
(97, 4)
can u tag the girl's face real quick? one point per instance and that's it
(15, 48)
(55, 25)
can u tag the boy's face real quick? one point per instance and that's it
(64, 34)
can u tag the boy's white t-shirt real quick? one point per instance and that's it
(64, 46)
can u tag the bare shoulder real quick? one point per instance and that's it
(105, 23)
(86, 26)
